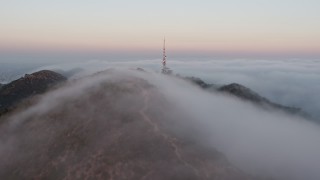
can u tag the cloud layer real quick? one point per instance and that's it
(287, 82)
(259, 142)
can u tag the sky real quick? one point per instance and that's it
(102, 29)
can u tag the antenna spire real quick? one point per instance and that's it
(164, 57)
(165, 69)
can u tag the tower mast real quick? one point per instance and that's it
(164, 57)
(165, 69)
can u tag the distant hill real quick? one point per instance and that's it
(24, 87)
(247, 94)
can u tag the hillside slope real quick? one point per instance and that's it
(30, 84)
(246, 94)
(118, 128)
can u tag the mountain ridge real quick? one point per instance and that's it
(125, 135)
(39, 82)
(246, 94)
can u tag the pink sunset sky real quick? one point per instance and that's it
(250, 27)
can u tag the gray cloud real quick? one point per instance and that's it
(288, 82)
(269, 143)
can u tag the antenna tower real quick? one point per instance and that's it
(165, 69)
(164, 57)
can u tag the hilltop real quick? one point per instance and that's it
(24, 87)
(118, 128)
(108, 125)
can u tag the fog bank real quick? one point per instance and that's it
(257, 141)
(290, 82)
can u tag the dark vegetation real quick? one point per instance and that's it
(27, 86)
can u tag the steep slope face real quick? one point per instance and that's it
(113, 129)
(243, 92)
(26, 86)
(249, 95)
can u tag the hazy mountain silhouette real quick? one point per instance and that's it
(247, 94)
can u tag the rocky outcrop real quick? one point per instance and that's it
(30, 84)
